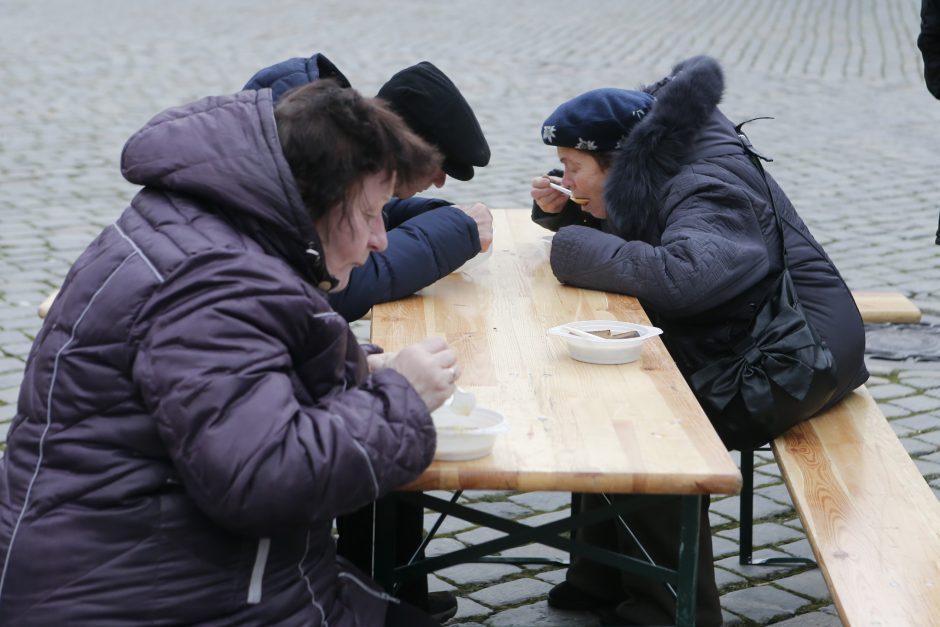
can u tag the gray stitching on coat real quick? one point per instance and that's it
(362, 450)
(303, 575)
(139, 252)
(382, 595)
(45, 431)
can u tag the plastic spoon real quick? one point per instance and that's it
(463, 402)
(576, 331)
(570, 194)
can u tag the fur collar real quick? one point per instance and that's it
(658, 145)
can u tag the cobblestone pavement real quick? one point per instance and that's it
(855, 141)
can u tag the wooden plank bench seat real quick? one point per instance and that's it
(886, 307)
(872, 520)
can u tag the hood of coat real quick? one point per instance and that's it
(284, 76)
(225, 152)
(683, 125)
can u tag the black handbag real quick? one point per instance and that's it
(780, 374)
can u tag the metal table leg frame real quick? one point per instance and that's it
(688, 559)
(520, 535)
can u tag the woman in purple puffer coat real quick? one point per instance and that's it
(193, 414)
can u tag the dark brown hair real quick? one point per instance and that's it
(603, 159)
(333, 138)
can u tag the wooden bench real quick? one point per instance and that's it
(872, 520)
(886, 307)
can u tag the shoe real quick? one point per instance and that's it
(442, 605)
(566, 596)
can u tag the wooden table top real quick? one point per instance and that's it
(631, 428)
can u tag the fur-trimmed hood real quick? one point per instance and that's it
(672, 135)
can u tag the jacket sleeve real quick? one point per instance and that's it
(711, 250)
(929, 43)
(250, 386)
(399, 210)
(420, 251)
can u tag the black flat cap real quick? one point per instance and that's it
(434, 108)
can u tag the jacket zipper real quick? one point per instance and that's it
(257, 573)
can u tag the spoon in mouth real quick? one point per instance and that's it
(570, 194)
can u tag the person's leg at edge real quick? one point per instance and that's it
(651, 603)
(588, 584)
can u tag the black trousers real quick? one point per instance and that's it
(356, 544)
(643, 600)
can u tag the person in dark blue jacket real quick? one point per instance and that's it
(428, 238)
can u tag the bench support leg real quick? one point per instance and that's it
(746, 524)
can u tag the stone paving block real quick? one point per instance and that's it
(765, 533)
(10, 395)
(11, 379)
(777, 492)
(811, 619)
(927, 468)
(917, 404)
(10, 364)
(436, 584)
(540, 615)
(892, 411)
(503, 509)
(900, 430)
(479, 535)
(763, 507)
(770, 470)
(891, 390)
(476, 573)
(537, 550)
(915, 446)
(467, 608)
(553, 576)
(440, 546)
(450, 524)
(930, 437)
(758, 572)
(730, 620)
(762, 603)
(722, 546)
(810, 584)
(542, 501)
(799, 548)
(543, 519)
(450, 624)
(923, 422)
(511, 592)
(726, 578)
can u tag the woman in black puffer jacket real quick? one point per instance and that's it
(678, 215)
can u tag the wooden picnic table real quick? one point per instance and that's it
(621, 429)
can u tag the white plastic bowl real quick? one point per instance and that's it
(466, 437)
(605, 351)
(477, 260)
